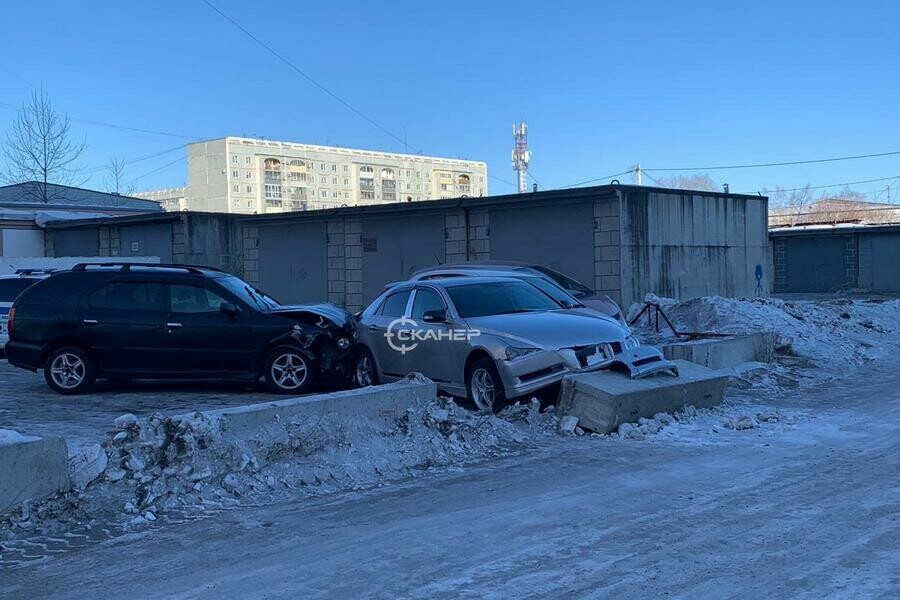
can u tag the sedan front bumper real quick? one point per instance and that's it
(547, 367)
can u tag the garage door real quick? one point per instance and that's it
(816, 264)
(394, 248)
(885, 263)
(293, 262)
(147, 240)
(76, 242)
(560, 237)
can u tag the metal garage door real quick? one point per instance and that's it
(394, 248)
(560, 237)
(816, 264)
(885, 261)
(293, 262)
(147, 240)
(76, 242)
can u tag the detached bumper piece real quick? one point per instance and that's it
(643, 361)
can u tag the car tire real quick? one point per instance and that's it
(288, 370)
(364, 362)
(484, 386)
(70, 370)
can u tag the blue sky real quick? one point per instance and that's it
(602, 85)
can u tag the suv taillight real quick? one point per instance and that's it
(11, 320)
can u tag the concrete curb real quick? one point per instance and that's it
(31, 467)
(723, 353)
(380, 403)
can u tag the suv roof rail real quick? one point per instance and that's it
(126, 266)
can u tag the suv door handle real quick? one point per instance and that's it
(173, 325)
(89, 321)
(373, 328)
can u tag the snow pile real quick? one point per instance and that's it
(174, 465)
(830, 332)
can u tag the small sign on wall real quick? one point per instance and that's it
(135, 247)
(370, 244)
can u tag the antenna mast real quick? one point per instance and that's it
(521, 156)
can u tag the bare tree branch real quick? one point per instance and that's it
(114, 182)
(39, 150)
(701, 182)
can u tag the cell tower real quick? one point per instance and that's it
(521, 156)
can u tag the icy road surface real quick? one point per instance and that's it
(811, 512)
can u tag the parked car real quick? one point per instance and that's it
(121, 321)
(490, 339)
(10, 288)
(493, 268)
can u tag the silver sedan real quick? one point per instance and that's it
(490, 339)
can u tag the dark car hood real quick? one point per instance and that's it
(334, 313)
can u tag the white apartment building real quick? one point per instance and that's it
(253, 176)
(171, 199)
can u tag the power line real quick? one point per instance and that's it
(777, 164)
(822, 187)
(136, 160)
(158, 169)
(294, 67)
(595, 180)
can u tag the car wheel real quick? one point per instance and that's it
(364, 372)
(289, 371)
(70, 371)
(485, 387)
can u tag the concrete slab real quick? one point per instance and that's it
(380, 403)
(31, 467)
(722, 353)
(605, 399)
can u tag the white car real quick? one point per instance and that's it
(10, 288)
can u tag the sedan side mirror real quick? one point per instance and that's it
(435, 316)
(229, 309)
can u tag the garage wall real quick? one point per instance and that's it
(879, 262)
(687, 244)
(293, 261)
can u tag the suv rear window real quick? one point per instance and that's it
(11, 288)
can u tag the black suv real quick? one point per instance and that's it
(124, 320)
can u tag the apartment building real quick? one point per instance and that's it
(254, 176)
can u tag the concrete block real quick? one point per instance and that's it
(31, 467)
(605, 399)
(380, 403)
(722, 353)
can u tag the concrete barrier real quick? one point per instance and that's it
(31, 467)
(605, 399)
(380, 403)
(722, 353)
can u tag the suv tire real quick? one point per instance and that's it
(288, 370)
(70, 370)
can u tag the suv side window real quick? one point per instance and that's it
(425, 300)
(193, 299)
(395, 304)
(128, 295)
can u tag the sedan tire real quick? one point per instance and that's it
(289, 371)
(70, 370)
(484, 386)
(364, 371)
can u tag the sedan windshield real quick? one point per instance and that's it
(498, 298)
(248, 293)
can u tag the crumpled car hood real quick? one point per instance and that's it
(550, 330)
(334, 313)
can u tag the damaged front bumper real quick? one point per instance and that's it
(542, 369)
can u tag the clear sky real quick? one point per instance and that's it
(602, 85)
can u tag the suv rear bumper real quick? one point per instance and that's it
(25, 356)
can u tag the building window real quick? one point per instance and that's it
(346, 181)
(366, 169)
(237, 203)
(324, 180)
(387, 173)
(346, 195)
(234, 159)
(235, 174)
(324, 194)
(334, 167)
(297, 163)
(273, 191)
(366, 182)
(235, 188)
(273, 164)
(367, 195)
(248, 160)
(249, 189)
(321, 166)
(346, 168)
(249, 174)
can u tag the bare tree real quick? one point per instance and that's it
(701, 182)
(796, 200)
(39, 150)
(114, 182)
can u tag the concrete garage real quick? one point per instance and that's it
(825, 259)
(297, 268)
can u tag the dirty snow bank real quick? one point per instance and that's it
(831, 333)
(160, 466)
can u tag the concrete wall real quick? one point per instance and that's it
(31, 467)
(683, 244)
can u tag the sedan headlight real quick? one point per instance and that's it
(632, 342)
(342, 343)
(512, 353)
